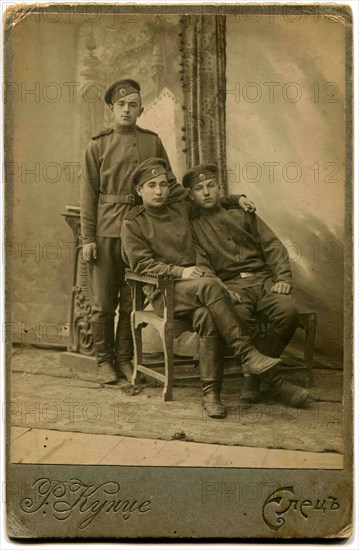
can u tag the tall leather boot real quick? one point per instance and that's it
(211, 360)
(272, 345)
(124, 347)
(228, 325)
(250, 386)
(287, 392)
(102, 334)
(249, 391)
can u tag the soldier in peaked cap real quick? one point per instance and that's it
(157, 239)
(106, 197)
(254, 265)
(202, 172)
(121, 88)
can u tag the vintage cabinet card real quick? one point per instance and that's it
(232, 416)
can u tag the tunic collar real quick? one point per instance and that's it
(124, 130)
(210, 211)
(161, 212)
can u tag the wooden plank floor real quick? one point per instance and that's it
(45, 399)
(29, 446)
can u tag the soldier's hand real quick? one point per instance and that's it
(234, 296)
(281, 288)
(192, 272)
(89, 252)
(246, 204)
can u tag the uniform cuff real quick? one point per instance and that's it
(177, 271)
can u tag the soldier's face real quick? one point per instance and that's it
(126, 110)
(154, 192)
(206, 194)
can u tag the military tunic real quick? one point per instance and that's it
(106, 191)
(159, 241)
(249, 258)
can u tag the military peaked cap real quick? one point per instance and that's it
(199, 174)
(148, 169)
(120, 89)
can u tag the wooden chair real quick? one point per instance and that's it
(169, 327)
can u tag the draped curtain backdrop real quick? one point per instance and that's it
(203, 49)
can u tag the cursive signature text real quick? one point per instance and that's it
(64, 499)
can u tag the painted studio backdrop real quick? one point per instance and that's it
(261, 96)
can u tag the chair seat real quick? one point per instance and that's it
(149, 317)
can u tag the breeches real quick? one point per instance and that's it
(107, 284)
(191, 300)
(278, 309)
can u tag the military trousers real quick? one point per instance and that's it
(109, 290)
(278, 309)
(218, 319)
(191, 300)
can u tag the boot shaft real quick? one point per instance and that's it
(124, 341)
(228, 325)
(211, 359)
(211, 363)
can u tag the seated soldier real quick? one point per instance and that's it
(240, 249)
(157, 239)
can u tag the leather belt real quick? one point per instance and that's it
(123, 198)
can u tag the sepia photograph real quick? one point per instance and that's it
(178, 256)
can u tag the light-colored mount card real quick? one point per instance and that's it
(266, 92)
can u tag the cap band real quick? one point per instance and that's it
(199, 174)
(150, 173)
(122, 91)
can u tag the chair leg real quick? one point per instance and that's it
(167, 341)
(137, 348)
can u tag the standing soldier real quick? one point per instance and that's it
(106, 197)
